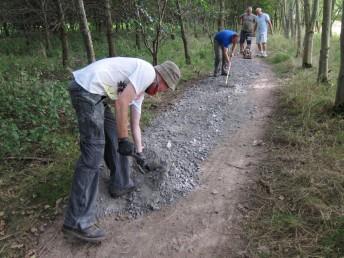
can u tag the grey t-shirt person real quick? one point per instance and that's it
(248, 21)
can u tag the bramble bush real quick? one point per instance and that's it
(31, 109)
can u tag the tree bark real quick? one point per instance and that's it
(340, 86)
(63, 35)
(86, 33)
(325, 42)
(6, 30)
(46, 26)
(182, 31)
(298, 29)
(285, 19)
(137, 37)
(310, 19)
(221, 19)
(109, 34)
(291, 19)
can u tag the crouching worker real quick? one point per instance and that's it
(222, 41)
(102, 137)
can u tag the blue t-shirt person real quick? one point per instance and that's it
(262, 22)
(225, 37)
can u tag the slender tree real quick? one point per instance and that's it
(310, 19)
(109, 34)
(86, 32)
(63, 34)
(221, 19)
(340, 86)
(152, 29)
(298, 29)
(325, 42)
(44, 10)
(183, 34)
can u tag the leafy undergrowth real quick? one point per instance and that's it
(38, 132)
(299, 207)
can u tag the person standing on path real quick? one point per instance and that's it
(123, 80)
(222, 41)
(261, 30)
(247, 21)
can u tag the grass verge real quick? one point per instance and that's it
(299, 206)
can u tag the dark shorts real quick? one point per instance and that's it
(244, 37)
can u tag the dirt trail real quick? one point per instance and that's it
(206, 223)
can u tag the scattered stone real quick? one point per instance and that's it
(263, 249)
(42, 228)
(214, 192)
(257, 143)
(17, 246)
(281, 197)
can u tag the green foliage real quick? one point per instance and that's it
(31, 109)
(279, 58)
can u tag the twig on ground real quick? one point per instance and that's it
(234, 166)
(5, 237)
(45, 160)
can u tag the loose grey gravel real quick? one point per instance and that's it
(182, 138)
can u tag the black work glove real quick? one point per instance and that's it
(141, 159)
(125, 147)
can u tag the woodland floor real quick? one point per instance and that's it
(209, 139)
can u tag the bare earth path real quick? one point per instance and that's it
(205, 223)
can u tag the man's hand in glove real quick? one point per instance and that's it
(141, 159)
(125, 147)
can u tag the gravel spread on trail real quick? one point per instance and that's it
(182, 137)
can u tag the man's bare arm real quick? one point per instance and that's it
(122, 110)
(225, 51)
(270, 25)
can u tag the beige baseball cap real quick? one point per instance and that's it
(170, 72)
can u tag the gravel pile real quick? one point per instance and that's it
(182, 138)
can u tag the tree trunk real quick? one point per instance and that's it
(109, 33)
(6, 30)
(137, 37)
(298, 29)
(325, 42)
(86, 33)
(221, 19)
(291, 19)
(310, 19)
(46, 26)
(332, 14)
(285, 19)
(63, 35)
(340, 86)
(182, 31)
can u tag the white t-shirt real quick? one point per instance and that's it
(137, 102)
(109, 77)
